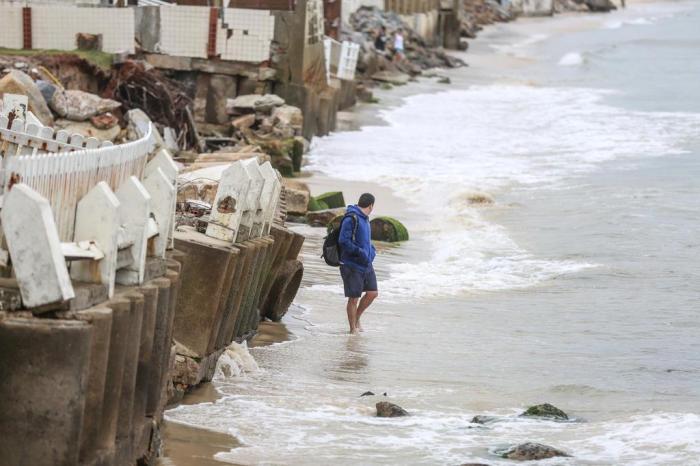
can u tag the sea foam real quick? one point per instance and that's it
(441, 147)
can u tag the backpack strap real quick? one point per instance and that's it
(354, 227)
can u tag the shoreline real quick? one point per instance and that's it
(480, 55)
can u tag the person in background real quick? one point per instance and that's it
(356, 256)
(380, 40)
(398, 45)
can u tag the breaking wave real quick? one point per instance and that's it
(439, 148)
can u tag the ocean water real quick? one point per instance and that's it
(579, 285)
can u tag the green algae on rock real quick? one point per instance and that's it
(333, 199)
(545, 410)
(388, 229)
(316, 205)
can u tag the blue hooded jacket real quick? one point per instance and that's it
(360, 253)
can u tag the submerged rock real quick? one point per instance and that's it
(386, 409)
(368, 393)
(545, 410)
(481, 419)
(532, 451)
(602, 6)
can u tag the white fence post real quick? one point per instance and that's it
(162, 193)
(97, 219)
(35, 248)
(134, 211)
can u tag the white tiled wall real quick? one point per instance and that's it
(252, 33)
(55, 27)
(11, 26)
(184, 31)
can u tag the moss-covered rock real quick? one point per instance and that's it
(335, 223)
(315, 205)
(321, 218)
(388, 229)
(333, 200)
(531, 451)
(546, 411)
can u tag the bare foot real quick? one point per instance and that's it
(354, 331)
(359, 327)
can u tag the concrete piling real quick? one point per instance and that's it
(42, 393)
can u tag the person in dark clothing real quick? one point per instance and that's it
(380, 40)
(356, 256)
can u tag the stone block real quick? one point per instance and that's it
(207, 271)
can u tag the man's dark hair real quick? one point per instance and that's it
(366, 200)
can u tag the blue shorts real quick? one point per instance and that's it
(356, 282)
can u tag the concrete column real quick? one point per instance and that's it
(229, 293)
(101, 321)
(121, 311)
(237, 291)
(249, 274)
(143, 374)
(125, 425)
(161, 347)
(42, 392)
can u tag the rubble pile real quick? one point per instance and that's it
(479, 13)
(256, 125)
(136, 84)
(419, 55)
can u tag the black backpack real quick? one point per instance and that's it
(331, 247)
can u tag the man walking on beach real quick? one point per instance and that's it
(356, 257)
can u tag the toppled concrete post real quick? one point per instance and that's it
(251, 216)
(261, 199)
(230, 205)
(274, 184)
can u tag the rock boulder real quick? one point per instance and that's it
(321, 218)
(253, 103)
(297, 201)
(545, 411)
(334, 200)
(388, 229)
(80, 106)
(531, 451)
(386, 409)
(18, 82)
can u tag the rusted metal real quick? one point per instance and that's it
(27, 28)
